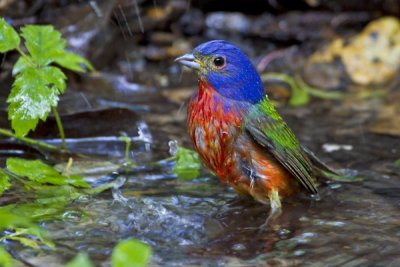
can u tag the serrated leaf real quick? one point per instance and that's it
(131, 253)
(40, 172)
(54, 78)
(187, 164)
(81, 260)
(5, 258)
(73, 61)
(4, 181)
(44, 43)
(34, 92)
(9, 38)
(21, 64)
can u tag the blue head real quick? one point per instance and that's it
(226, 69)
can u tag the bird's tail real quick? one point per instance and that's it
(324, 172)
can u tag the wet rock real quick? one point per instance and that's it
(388, 119)
(228, 22)
(157, 53)
(324, 75)
(104, 84)
(4, 4)
(162, 38)
(144, 18)
(192, 22)
(382, 6)
(91, 124)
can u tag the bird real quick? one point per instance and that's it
(239, 134)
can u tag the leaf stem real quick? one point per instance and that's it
(60, 126)
(28, 58)
(29, 140)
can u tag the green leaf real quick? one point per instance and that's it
(10, 220)
(73, 61)
(44, 43)
(40, 172)
(187, 164)
(38, 211)
(18, 235)
(5, 258)
(40, 233)
(4, 181)
(81, 260)
(33, 94)
(21, 64)
(9, 38)
(131, 253)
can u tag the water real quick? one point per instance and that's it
(203, 223)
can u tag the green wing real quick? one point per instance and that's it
(269, 130)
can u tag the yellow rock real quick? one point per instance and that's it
(372, 56)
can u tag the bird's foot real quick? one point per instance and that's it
(275, 211)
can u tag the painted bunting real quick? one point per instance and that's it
(239, 134)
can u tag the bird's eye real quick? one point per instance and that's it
(219, 62)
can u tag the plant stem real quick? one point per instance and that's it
(29, 140)
(60, 126)
(22, 53)
(128, 142)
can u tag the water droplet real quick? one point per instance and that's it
(238, 247)
(299, 252)
(283, 233)
(71, 216)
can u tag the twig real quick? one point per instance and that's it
(30, 141)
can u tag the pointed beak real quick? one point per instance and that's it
(188, 60)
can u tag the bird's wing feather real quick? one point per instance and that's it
(269, 130)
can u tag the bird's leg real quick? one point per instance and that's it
(275, 204)
(275, 208)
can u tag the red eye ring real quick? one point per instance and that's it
(219, 62)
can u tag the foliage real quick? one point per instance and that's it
(37, 86)
(81, 260)
(187, 164)
(131, 253)
(301, 92)
(37, 171)
(4, 181)
(49, 192)
(9, 39)
(5, 258)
